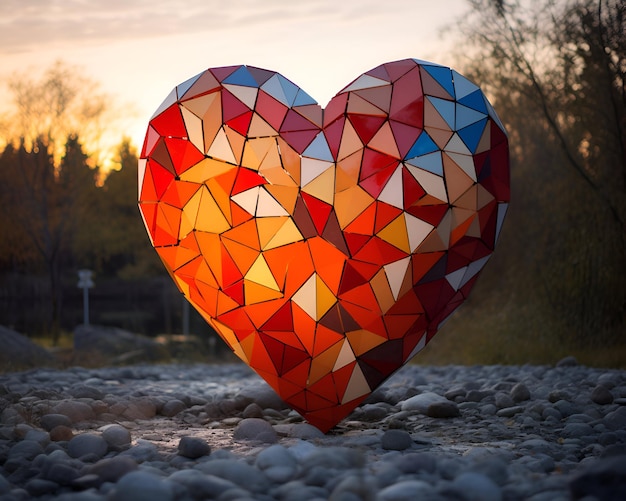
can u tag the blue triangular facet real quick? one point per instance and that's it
(466, 116)
(443, 76)
(472, 133)
(422, 146)
(444, 108)
(430, 162)
(303, 99)
(289, 88)
(241, 76)
(476, 101)
(462, 86)
(274, 89)
(319, 149)
(184, 87)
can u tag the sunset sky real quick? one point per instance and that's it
(138, 50)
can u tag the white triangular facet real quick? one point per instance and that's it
(247, 200)
(365, 82)
(357, 386)
(346, 356)
(247, 95)
(466, 162)
(396, 272)
(305, 297)
(456, 145)
(417, 230)
(268, 206)
(392, 192)
(431, 183)
(310, 168)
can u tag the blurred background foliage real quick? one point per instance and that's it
(554, 71)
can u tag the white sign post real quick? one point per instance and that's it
(85, 282)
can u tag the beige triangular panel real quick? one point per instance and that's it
(247, 95)
(323, 186)
(392, 192)
(396, 272)
(199, 106)
(193, 124)
(346, 356)
(417, 229)
(305, 297)
(267, 205)
(357, 386)
(431, 183)
(248, 199)
(311, 168)
(456, 145)
(364, 82)
(220, 148)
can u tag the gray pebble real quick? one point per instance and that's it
(87, 443)
(476, 487)
(396, 440)
(421, 403)
(255, 429)
(112, 469)
(443, 409)
(193, 447)
(140, 485)
(237, 472)
(116, 436)
(520, 393)
(407, 490)
(200, 485)
(172, 407)
(50, 421)
(278, 464)
(601, 395)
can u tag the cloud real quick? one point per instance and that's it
(24, 26)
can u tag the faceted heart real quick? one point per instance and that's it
(325, 246)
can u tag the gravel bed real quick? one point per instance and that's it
(195, 432)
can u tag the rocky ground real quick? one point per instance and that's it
(187, 432)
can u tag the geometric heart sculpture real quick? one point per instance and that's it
(325, 246)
